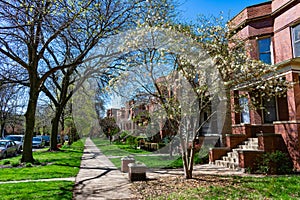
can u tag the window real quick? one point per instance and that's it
(245, 115)
(296, 40)
(264, 48)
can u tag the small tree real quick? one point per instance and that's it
(109, 126)
(179, 80)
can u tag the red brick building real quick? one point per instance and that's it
(273, 31)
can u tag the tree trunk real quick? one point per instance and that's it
(30, 121)
(171, 148)
(188, 163)
(54, 130)
(186, 159)
(2, 129)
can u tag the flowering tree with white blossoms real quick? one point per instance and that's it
(157, 52)
(174, 71)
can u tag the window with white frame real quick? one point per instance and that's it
(264, 49)
(245, 114)
(296, 40)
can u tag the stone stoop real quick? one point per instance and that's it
(231, 160)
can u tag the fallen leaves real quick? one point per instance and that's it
(164, 186)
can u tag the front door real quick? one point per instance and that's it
(269, 111)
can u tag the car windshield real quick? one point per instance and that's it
(2, 143)
(36, 139)
(14, 138)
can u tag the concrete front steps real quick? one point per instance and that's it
(231, 160)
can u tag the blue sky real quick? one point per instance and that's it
(191, 8)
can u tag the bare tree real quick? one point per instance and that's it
(34, 41)
(10, 105)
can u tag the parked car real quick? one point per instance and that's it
(8, 148)
(38, 142)
(47, 139)
(18, 139)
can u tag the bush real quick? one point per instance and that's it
(37, 162)
(28, 165)
(15, 164)
(6, 162)
(130, 140)
(197, 160)
(200, 159)
(274, 163)
(123, 135)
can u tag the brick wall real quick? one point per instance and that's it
(248, 159)
(217, 153)
(293, 97)
(278, 3)
(290, 132)
(242, 16)
(283, 46)
(251, 12)
(233, 140)
(270, 142)
(259, 10)
(286, 18)
(244, 129)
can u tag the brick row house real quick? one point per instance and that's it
(140, 116)
(134, 118)
(273, 31)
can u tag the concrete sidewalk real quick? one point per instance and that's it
(98, 178)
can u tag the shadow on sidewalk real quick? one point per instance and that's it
(107, 170)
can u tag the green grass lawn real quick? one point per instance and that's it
(37, 190)
(282, 187)
(116, 150)
(52, 164)
(152, 161)
(121, 151)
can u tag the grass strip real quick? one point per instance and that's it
(252, 188)
(52, 190)
(116, 150)
(59, 164)
(151, 161)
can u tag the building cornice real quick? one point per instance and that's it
(271, 15)
(284, 8)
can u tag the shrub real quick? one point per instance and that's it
(28, 165)
(123, 135)
(15, 164)
(274, 163)
(197, 160)
(37, 162)
(6, 162)
(201, 159)
(130, 140)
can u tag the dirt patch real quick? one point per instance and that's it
(164, 186)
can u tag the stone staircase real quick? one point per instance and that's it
(231, 160)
